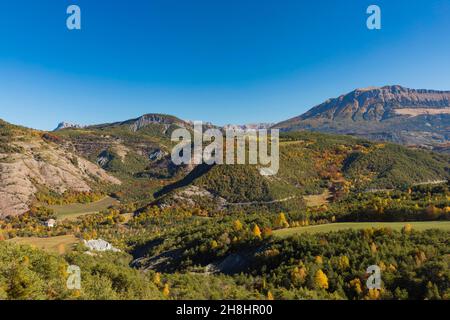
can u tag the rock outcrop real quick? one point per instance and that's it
(45, 164)
(66, 125)
(99, 245)
(390, 113)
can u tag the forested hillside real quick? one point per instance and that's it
(311, 163)
(337, 205)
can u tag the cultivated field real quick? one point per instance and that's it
(420, 226)
(59, 244)
(74, 210)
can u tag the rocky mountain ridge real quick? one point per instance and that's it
(391, 113)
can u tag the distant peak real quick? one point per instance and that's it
(374, 105)
(390, 88)
(248, 126)
(154, 118)
(65, 125)
(367, 89)
(397, 89)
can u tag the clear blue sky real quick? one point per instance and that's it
(225, 61)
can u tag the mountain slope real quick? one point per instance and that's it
(390, 113)
(30, 161)
(124, 148)
(310, 163)
(137, 152)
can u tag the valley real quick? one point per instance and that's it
(338, 204)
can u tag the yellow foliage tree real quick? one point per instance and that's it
(321, 279)
(373, 247)
(407, 228)
(392, 268)
(237, 225)
(356, 285)
(256, 231)
(298, 275)
(373, 294)
(281, 221)
(166, 290)
(319, 260)
(157, 278)
(344, 262)
(214, 244)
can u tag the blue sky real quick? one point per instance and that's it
(233, 61)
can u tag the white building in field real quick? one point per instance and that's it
(50, 223)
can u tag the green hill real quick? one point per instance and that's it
(309, 164)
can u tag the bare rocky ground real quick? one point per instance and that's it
(43, 164)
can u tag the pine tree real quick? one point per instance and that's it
(432, 292)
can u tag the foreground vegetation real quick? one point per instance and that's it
(166, 253)
(414, 265)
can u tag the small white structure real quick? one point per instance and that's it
(99, 245)
(50, 223)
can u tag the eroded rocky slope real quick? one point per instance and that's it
(28, 163)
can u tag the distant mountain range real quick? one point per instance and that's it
(131, 159)
(419, 118)
(165, 119)
(65, 125)
(249, 126)
(390, 113)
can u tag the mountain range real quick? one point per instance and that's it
(391, 113)
(130, 160)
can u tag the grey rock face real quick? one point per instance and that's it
(390, 113)
(99, 245)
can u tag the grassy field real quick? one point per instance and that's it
(60, 244)
(74, 210)
(317, 200)
(283, 233)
